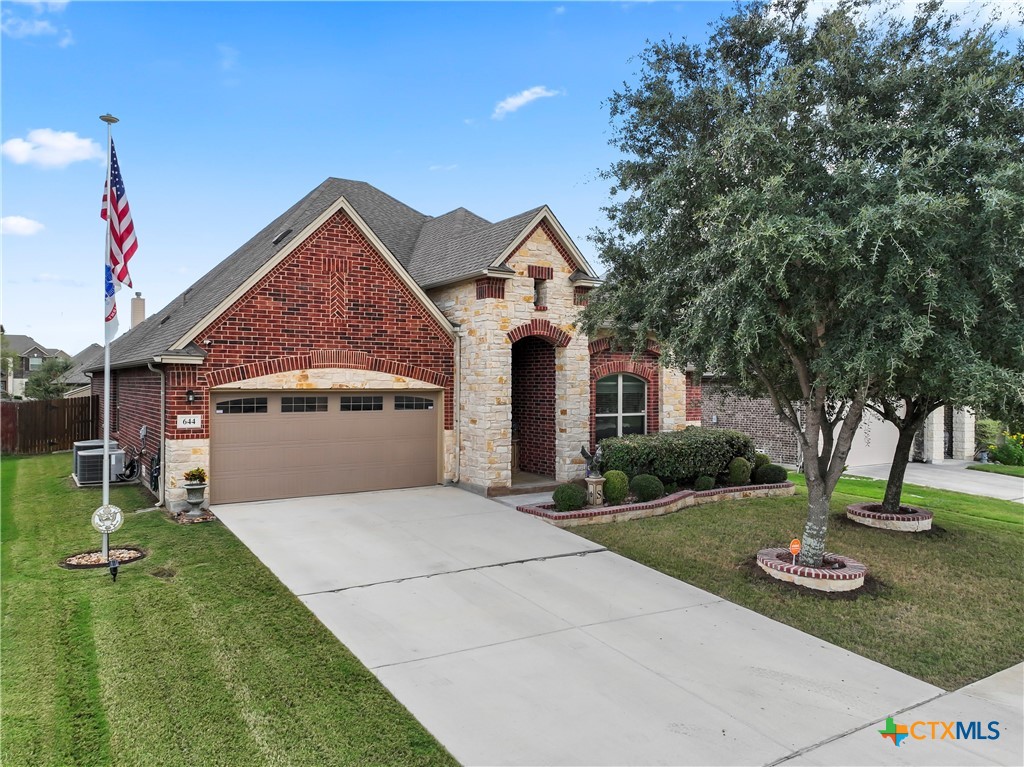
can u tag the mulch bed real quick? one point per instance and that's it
(89, 559)
(182, 518)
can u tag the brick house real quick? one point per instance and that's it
(355, 344)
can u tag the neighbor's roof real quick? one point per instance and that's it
(22, 344)
(90, 357)
(434, 251)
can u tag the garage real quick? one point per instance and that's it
(269, 445)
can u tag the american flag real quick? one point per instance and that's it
(122, 231)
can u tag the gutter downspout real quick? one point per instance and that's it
(163, 430)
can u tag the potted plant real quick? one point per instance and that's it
(195, 489)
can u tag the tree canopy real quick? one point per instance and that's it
(48, 381)
(820, 209)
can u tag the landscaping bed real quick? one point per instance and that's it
(666, 505)
(196, 655)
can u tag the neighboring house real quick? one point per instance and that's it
(31, 356)
(357, 344)
(947, 433)
(78, 381)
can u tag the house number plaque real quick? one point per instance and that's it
(190, 422)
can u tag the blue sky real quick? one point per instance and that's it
(230, 112)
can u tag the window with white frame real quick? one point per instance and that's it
(621, 406)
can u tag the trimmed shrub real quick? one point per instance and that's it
(987, 432)
(704, 482)
(739, 471)
(678, 456)
(770, 474)
(647, 487)
(761, 459)
(616, 487)
(569, 497)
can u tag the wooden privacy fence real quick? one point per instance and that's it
(44, 426)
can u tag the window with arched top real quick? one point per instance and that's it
(621, 406)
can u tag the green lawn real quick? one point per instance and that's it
(946, 607)
(998, 468)
(217, 664)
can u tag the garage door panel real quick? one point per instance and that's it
(257, 456)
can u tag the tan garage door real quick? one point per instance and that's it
(266, 445)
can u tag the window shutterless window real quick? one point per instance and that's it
(403, 402)
(242, 405)
(303, 404)
(621, 406)
(353, 404)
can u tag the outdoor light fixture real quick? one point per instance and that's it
(114, 564)
(190, 396)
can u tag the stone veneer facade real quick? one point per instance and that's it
(484, 364)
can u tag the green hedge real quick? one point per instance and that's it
(677, 456)
(569, 497)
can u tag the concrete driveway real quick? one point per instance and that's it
(951, 475)
(518, 643)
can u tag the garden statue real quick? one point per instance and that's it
(593, 461)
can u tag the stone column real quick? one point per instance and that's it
(963, 435)
(934, 437)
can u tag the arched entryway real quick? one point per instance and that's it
(533, 406)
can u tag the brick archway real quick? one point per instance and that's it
(326, 358)
(543, 329)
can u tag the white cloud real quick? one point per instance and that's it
(19, 26)
(19, 225)
(443, 168)
(228, 57)
(58, 279)
(51, 149)
(16, 27)
(559, 10)
(520, 100)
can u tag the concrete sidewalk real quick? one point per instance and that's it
(518, 643)
(951, 475)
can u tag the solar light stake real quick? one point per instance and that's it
(113, 569)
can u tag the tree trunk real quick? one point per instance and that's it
(812, 547)
(898, 470)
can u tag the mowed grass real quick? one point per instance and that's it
(998, 468)
(217, 664)
(946, 607)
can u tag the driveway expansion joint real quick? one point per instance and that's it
(580, 553)
(852, 730)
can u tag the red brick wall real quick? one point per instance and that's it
(533, 403)
(135, 401)
(755, 417)
(605, 362)
(693, 397)
(334, 302)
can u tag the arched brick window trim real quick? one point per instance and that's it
(326, 358)
(605, 344)
(542, 328)
(647, 372)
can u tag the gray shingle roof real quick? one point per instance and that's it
(434, 251)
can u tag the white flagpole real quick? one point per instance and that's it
(109, 120)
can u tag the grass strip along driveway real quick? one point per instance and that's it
(197, 655)
(998, 468)
(946, 607)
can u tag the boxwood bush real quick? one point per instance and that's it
(569, 497)
(770, 474)
(677, 456)
(739, 471)
(647, 487)
(704, 482)
(761, 459)
(616, 487)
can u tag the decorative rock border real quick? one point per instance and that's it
(124, 555)
(666, 505)
(837, 573)
(915, 520)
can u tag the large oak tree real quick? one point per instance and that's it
(811, 207)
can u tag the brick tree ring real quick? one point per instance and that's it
(910, 519)
(837, 573)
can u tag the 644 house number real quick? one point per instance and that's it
(190, 422)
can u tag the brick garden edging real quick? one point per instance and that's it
(779, 564)
(916, 520)
(666, 505)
